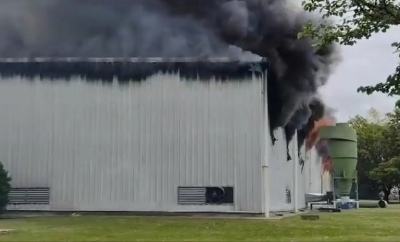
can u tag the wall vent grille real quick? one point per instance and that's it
(37, 195)
(191, 195)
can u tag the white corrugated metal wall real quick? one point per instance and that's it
(282, 178)
(302, 180)
(286, 175)
(282, 175)
(313, 172)
(102, 147)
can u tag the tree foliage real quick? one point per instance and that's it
(5, 188)
(358, 19)
(378, 151)
(387, 172)
(370, 133)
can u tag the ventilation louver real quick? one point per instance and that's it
(37, 195)
(191, 195)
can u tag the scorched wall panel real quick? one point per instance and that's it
(281, 174)
(129, 147)
(313, 170)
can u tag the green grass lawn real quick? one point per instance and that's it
(360, 225)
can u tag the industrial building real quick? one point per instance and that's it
(165, 142)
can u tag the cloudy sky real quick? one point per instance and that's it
(368, 62)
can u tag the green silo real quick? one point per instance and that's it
(343, 153)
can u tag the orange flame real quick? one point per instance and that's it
(313, 137)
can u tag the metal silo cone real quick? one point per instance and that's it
(343, 153)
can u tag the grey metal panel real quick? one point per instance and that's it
(191, 195)
(301, 181)
(26, 148)
(103, 147)
(281, 173)
(29, 196)
(313, 170)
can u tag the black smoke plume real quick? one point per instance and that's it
(240, 29)
(318, 109)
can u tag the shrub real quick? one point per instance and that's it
(5, 188)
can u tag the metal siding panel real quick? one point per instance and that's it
(102, 147)
(258, 143)
(281, 173)
(314, 168)
(12, 132)
(19, 100)
(301, 181)
(242, 146)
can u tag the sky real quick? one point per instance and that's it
(366, 63)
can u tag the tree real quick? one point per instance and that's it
(387, 174)
(358, 19)
(378, 151)
(5, 188)
(371, 149)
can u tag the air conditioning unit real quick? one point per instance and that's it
(205, 195)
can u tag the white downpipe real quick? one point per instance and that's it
(266, 142)
(295, 173)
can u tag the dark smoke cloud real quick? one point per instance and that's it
(103, 28)
(303, 121)
(245, 29)
(318, 111)
(269, 28)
